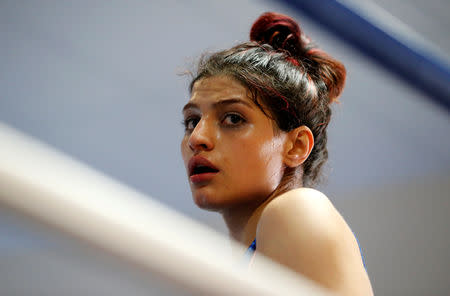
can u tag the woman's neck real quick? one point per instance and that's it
(242, 222)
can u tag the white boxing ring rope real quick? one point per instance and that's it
(53, 189)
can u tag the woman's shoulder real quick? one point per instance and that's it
(299, 215)
(303, 230)
(300, 206)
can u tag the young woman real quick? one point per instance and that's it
(255, 141)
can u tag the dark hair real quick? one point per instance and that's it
(288, 76)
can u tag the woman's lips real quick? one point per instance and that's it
(201, 170)
(202, 178)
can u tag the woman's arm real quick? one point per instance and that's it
(302, 230)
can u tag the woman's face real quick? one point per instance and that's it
(232, 154)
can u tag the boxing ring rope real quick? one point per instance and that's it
(52, 189)
(381, 37)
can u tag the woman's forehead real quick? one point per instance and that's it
(217, 87)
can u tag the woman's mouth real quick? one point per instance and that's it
(201, 170)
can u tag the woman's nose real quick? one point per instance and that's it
(202, 137)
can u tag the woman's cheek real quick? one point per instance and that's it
(184, 151)
(271, 153)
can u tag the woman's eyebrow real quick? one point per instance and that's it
(218, 104)
(231, 101)
(189, 106)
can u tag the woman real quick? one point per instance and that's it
(255, 140)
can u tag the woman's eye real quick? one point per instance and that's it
(190, 123)
(233, 119)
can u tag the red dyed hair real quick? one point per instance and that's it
(283, 33)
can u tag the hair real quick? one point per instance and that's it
(290, 77)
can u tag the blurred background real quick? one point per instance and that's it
(99, 80)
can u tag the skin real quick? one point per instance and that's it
(300, 228)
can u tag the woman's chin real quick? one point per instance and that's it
(206, 202)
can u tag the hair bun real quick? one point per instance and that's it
(278, 30)
(282, 32)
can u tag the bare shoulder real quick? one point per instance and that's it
(304, 208)
(302, 230)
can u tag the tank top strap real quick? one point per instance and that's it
(249, 254)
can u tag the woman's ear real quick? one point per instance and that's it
(300, 142)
